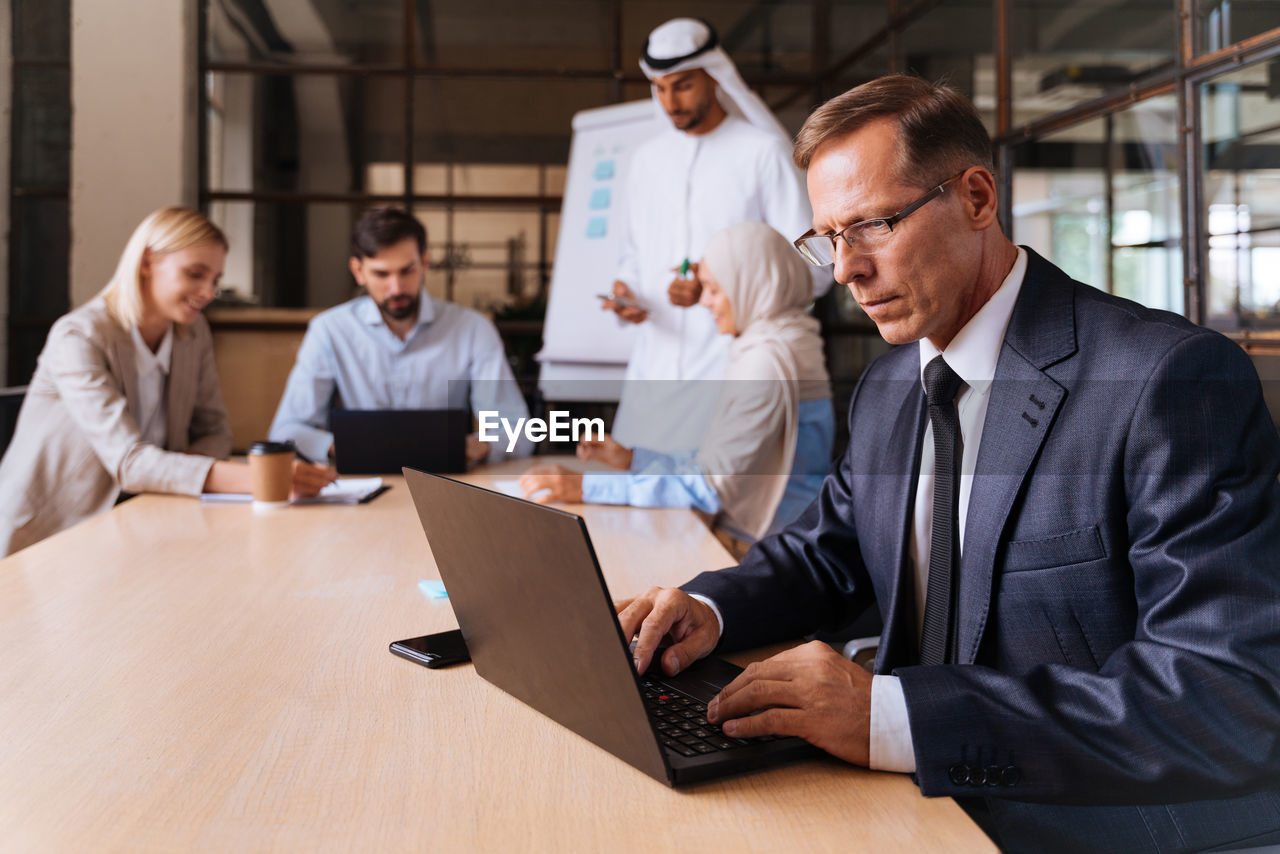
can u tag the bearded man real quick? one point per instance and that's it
(396, 347)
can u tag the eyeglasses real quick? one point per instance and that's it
(868, 236)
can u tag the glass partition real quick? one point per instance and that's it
(324, 130)
(499, 121)
(552, 35)
(1064, 54)
(463, 112)
(286, 254)
(1222, 23)
(1101, 200)
(1240, 114)
(370, 32)
(945, 45)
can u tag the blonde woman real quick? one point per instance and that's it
(769, 444)
(125, 396)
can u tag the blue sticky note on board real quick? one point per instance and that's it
(600, 199)
(433, 589)
(597, 226)
(604, 170)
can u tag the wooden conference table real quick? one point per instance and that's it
(177, 676)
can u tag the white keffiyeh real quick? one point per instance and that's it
(682, 44)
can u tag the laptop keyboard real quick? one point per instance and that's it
(681, 722)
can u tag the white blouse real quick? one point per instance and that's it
(153, 377)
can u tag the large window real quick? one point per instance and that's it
(314, 112)
(1142, 144)
(1101, 198)
(460, 112)
(1241, 118)
(1137, 142)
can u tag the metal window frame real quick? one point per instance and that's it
(409, 71)
(1182, 78)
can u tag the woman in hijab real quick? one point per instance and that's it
(769, 443)
(125, 396)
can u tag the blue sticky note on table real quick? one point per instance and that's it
(596, 226)
(433, 589)
(604, 170)
(600, 199)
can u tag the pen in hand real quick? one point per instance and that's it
(684, 290)
(321, 470)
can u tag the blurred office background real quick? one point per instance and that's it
(1138, 144)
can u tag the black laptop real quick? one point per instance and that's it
(383, 441)
(539, 623)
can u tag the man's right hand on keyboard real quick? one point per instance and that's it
(662, 611)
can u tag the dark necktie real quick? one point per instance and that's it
(940, 387)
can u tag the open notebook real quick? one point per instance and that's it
(344, 490)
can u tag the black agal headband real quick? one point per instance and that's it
(713, 41)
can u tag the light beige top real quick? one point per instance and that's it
(77, 446)
(201, 678)
(776, 361)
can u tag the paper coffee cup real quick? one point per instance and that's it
(271, 469)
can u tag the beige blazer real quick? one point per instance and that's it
(76, 446)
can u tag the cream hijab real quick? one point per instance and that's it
(775, 361)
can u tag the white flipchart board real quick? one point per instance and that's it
(585, 350)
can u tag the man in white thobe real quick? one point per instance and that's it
(724, 160)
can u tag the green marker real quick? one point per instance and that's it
(684, 267)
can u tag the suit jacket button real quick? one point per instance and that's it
(977, 776)
(1010, 775)
(993, 775)
(959, 774)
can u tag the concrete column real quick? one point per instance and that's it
(6, 109)
(133, 125)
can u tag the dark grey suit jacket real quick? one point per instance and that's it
(1118, 599)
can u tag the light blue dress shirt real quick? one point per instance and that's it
(676, 480)
(349, 358)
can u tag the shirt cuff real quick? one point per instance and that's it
(605, 487)
(642, 458)
(891, 745)
(715, 610)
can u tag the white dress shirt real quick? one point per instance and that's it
(149, 409)
(452, 356)
(972, 354)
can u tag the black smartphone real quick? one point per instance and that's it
(439, 650)
(622, 301)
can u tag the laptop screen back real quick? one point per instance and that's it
(383, 441)
(535, 611)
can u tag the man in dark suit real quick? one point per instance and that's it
(1064, 504)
